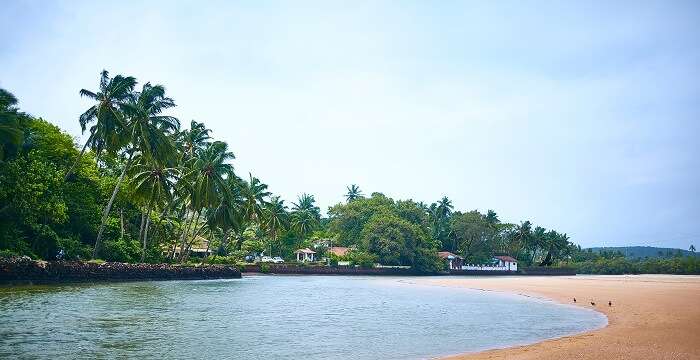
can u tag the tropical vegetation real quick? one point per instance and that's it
(143, 187)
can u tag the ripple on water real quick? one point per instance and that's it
(273, 317)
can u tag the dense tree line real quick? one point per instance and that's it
(143, 187)
(395, 229)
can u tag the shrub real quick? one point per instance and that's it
(228, 260)
(122, 250)
(264, 268)
(427, 261)
(361, 259)
(8, 254)
(74, 249)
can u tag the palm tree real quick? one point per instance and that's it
(491, 217)
(255, 194)
(228, 215)
(148, 133)
(154, 182)
(691, 248)
(209, 173)
(444, 207)
(194, 139)
(11, 135)
(303, 222)
(107, 132)
(148, 128)
(276, 217)
(208, 183)
(538, 241)
(305, 214)
(307, 202)
(353, 193)
(522, 235)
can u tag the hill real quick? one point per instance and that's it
(637, 252)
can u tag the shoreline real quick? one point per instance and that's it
(23, 271)
(651, 317)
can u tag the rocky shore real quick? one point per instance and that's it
(26, 270)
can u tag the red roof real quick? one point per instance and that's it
(447, 254)
(506, 258)
(338, 250)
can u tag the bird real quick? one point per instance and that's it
(609, 303)
(574, 299)
(592, 303)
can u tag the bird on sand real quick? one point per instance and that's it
(592, 303)
(609, 303)
(574, 299)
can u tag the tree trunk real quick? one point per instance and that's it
(145, 239)
(206, 254)
(224, 243)
(183, 237)
(143, 223)
(77, 160)
(105, 215)
(195, 233)
(148, 222)
(121, 220)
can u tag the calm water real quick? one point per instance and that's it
(273, 317)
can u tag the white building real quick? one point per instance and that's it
(507, 262)
(500, 263)
(305, 254)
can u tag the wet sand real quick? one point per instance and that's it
(651, 317)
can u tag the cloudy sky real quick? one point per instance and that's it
(582, 117)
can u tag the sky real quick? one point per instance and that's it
(582, 117)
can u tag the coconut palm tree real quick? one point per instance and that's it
(194, 139)
(255, 194)
(148, 132)
(207, 183)
(307, 202)
(228, 215)
(154, 182)
(11, 135)
(353, 193)
(209, 173)
(444, 207)
(491, 217)
(276, 217)
(305, 215)
(108, 131)
(303, 222)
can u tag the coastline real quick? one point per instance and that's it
(651, 317)
(21, 271)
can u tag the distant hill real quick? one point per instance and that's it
(637, 252)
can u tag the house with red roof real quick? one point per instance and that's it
(453, 261)
(507, 262)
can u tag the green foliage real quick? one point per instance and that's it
(227, 260)
(620, 265)
(8, 254)
(121, 250)
(143, 186)
(361, 259)
(391, 238)
(426, 261)
(264, 268)
(74, 249)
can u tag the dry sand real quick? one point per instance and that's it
(651, 317)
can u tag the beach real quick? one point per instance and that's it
(651, 317)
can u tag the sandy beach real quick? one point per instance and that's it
(651, 317)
